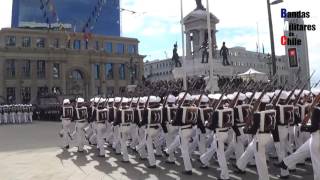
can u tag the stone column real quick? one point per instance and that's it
(188, 45)
(2, 79)
(63, 77)
(34, 87)
(19, 81)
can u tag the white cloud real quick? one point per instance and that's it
(5, 9)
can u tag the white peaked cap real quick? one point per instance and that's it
(297, 91)
(305, 93)
(111, 100)
(315, 91)
(215, 96)
(66, 101)
(270, 94)
(80, 100)
(284, 95)
(265, 99)
(135, 100)
(204, 99)
(143, 100)
(171, 98)
(277, 92)
(257, 95)
(117, 99)
(154, 99)
(231, 96)
(249, 94)
(187, 98)
(242, 97)
(103, 100)
(125, 100)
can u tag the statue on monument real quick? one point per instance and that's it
(205, 53)
(224, 53)
(175, 56)
(199, 5)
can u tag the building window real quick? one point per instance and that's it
(40, 42)
(11, 95)
(56, 43)
(26, 69)
(109, 71)
(77, 44)
(11, 68)
(122, 90)
(96, 71)
(76, 75)
(97, 46)
(98, 90)
(56, 71)
(86, 44)
(120, 48)
(10, 41)
(25, 95)
(68, 43)
(41, 69)
(43, 91)
(110, 91)
(132, 49)
(26, 42)
(122, 74)
(108, 47)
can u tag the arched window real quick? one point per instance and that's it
(76, 75)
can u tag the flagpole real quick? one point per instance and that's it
(210, 48)
(183, 52)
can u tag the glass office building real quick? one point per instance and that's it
(95, 16)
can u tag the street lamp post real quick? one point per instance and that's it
(273, 55)
(210, 47)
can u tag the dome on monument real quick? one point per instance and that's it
(200, 15)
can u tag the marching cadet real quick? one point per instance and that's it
(134, 126)
(169, 112)
(1, 115)
(80, 117)
(66, 113)
(186, 118)
(285, 116)
(152, 120)
(261, 126)
(91, 129)
(19, 113)
(222, 121)
(242, 112)
(116, 133)
(205, 112)
(139, 116)
(13, 114)
(100, 116)
(6, 114)
(30, 113)
(311, 146)
(109, 130)
(125, 117)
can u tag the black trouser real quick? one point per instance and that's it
(225, 60)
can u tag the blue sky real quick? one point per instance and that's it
(157, 24)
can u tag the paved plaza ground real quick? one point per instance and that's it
(33, 152)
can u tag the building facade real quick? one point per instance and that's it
(241, 60)
(196, 38)
(36, 62)
(95, 16)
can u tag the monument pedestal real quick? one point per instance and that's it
(194, 67)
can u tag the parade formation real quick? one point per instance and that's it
(16, 114)
(251, 126)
